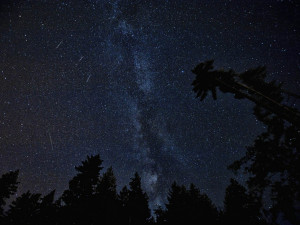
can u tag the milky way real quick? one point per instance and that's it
(114, 78)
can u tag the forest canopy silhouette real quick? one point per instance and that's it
(271, 163)
(92, 198)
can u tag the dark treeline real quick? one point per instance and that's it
(92, 198)
(272, 162)
(272, 165)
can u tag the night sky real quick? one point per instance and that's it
(114, 78)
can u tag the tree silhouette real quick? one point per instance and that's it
(273, 161)
(123, 197)
(189, 207)
(24, 210)
(107, 185)
(176, 204)
(250, 84)
(32, 209)
(92, 199)
(83, 185)
(137, 204)
(108, 207)
(80, 199)
(47, 210)
(201, 207)
(8, 187)
(160, 214)
(240, 207)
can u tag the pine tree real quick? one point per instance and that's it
(176, 205)
(107, 205)
(47, 210)
(24, 210)
(201, 207)
(124, 196)
(8, 187)
(273, 161)
(160, 215)
(138, 209)
(250, 85)
(189, 206)
(83, 185)
(80, 201)
(107, 185)
(240, 207)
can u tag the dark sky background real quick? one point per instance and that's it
(114, 78)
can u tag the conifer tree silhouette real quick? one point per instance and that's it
(109, 209)
(124, 196)
(83, 185)
(93, 199)
(189, 207)
(273, 161)
(80, 202)
(8, 187)
(160, 215)
(137, 205)
(240, 207)
(176, 205)
(250, 84)
(107, 185)
(47, 210)
(24, 210)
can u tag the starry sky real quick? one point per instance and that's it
(114, 78)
